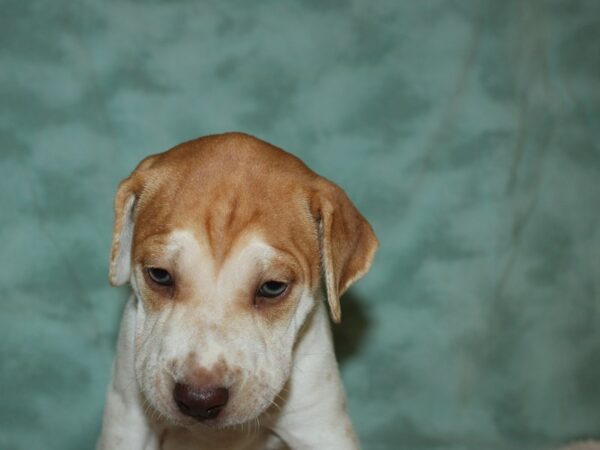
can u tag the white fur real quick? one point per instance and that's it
(287, 386)
(120, 267)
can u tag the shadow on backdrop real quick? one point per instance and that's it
(352, 331)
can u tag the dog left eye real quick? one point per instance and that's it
(160, 276)
(272, 289)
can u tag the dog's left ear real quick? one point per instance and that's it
(347, 242)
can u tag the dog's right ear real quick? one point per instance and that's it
(120, 255)
(125, 201)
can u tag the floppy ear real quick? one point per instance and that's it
(120, 255)
(347, 243)
(125, 201)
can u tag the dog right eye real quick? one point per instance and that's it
(160, 276)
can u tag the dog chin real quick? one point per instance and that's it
(224, 421)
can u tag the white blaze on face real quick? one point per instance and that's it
(211, 332)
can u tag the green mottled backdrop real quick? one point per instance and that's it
(466, 131)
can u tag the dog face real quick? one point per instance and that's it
(224, 240)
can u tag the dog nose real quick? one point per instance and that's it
(199, 402)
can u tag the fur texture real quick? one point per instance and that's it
(224, 214)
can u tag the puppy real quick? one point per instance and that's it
(225, 342)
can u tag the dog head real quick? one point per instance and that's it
(224, 240)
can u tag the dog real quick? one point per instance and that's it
(225, 342)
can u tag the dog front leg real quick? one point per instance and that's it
(125, 425)
(314, 414)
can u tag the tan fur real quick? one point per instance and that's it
(224, 214)
(226, 185)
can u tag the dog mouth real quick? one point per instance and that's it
(164, 408)
(191, 397)
(201, 403)
(211, 406)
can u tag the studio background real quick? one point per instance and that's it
(466, 132)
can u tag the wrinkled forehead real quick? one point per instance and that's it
(183, 250)
(225, 191)
(223, 221)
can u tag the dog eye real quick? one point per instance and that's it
(272, 289)
(160, 276)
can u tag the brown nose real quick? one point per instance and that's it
(199, 402)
